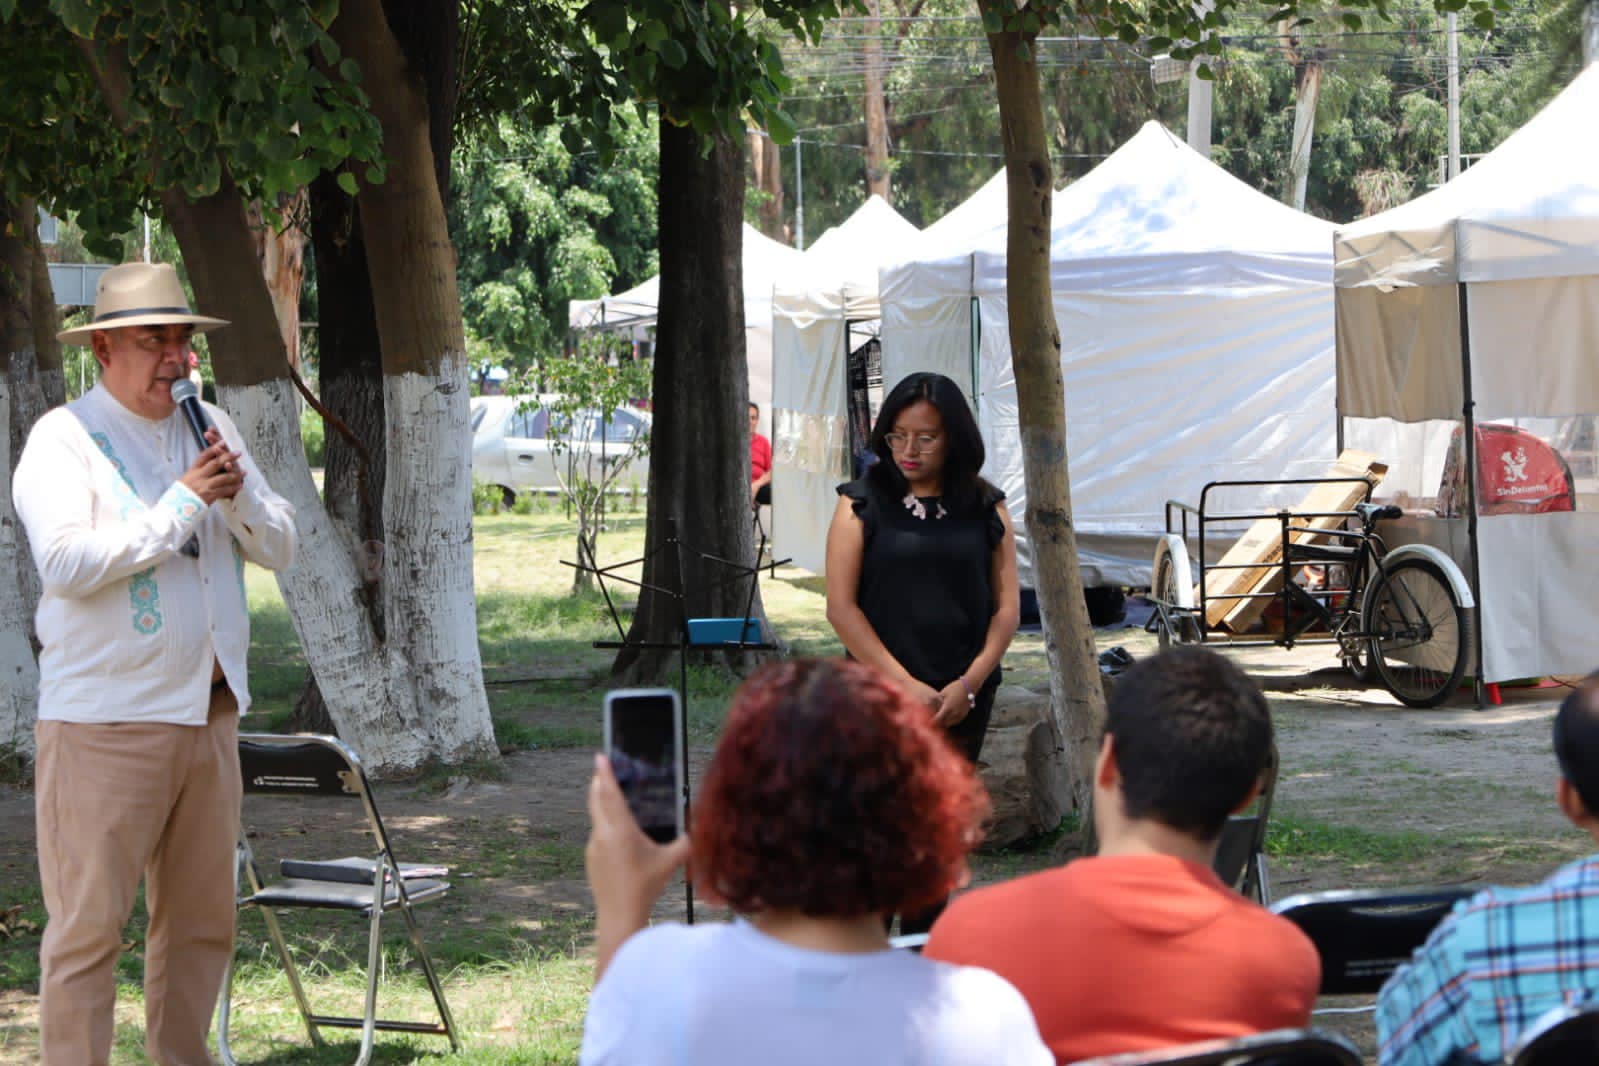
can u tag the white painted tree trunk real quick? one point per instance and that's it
(429, 603)
(367, 695)
(19, 671)
(1307, 97)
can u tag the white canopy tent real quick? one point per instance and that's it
(816, 311)
(1479, 302)
(1196, 342)
(765, 262)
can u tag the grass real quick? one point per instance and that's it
(517, 974)
(545, 682)
(1413, 854)
(513, 938)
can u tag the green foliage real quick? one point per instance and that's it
(1188, 30)
(487, 499)
(573, 389)
(313, 431)
(1380, 129)
(707, 66)
(580, 392)
(537, 225)
(1380, 124)
(200, 93)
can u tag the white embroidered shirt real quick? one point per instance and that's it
(128, 624)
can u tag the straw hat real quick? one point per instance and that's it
(139, 294)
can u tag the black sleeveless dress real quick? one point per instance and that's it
(927, 588)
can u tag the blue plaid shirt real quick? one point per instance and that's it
(1502, 959)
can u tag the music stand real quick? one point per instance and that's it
(685, 637)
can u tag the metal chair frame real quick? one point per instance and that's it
(1558, 1037)
(1393, 923)
(1241, 851)
(1279, 1047)
(326, 767)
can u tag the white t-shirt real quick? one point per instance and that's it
(726, 993)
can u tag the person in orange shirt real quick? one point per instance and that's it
(1142, 946)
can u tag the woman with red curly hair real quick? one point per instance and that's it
(831, 801)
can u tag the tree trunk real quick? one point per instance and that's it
(364, 686)
(350, 379)
(350, 361)
(766, 166)
(429, 34)
(368, 687)
(699, 441)
(877, 171)
(429, 603)
(1306, 95)
(21, 403)
(46, 323)
(280, 248)
(1077, 702)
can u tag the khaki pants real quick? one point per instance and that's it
(115, 801)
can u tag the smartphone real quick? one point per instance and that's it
(642, 731)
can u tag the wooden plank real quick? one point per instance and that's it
(1262, 544)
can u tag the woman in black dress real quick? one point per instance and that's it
(921, 561)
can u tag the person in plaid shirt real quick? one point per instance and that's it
(1506, 956)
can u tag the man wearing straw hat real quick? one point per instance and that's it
(140, 537)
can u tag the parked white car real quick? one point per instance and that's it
(511, 448)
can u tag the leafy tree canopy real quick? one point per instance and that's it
(537, 225)
(186, 95)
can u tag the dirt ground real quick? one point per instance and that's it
(1456, 795)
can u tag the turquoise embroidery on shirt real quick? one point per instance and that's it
(183, 506)
(238, 569)
(144, 595)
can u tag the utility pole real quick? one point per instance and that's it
(1453, 171)
(1199, 90)
(799, 193)
(1590, 33)
(1199, 111)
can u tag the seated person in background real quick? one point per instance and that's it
(1142, 946)
(1507, 955)
(831, 801)
(760, 461)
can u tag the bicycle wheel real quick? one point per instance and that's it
(1173, 586)
(1420, 635)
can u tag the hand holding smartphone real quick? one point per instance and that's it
(642, 732)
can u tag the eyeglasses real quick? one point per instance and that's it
(924, 441)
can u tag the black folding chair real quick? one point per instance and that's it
(1241, 853)
(1564, 1036)
(1280, 1047)
(320, 767)
(1363, 935)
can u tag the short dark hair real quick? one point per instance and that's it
(832, 793)
(1577, 741)
(755, 407)
(1192, 734)
(964, 454)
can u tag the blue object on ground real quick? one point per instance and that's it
(723, 630)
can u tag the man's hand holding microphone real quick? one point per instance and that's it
(215, 473)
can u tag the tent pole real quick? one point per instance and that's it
(1468, 413)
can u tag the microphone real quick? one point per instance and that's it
(187, 397)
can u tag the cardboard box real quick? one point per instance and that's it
(1262, 544)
